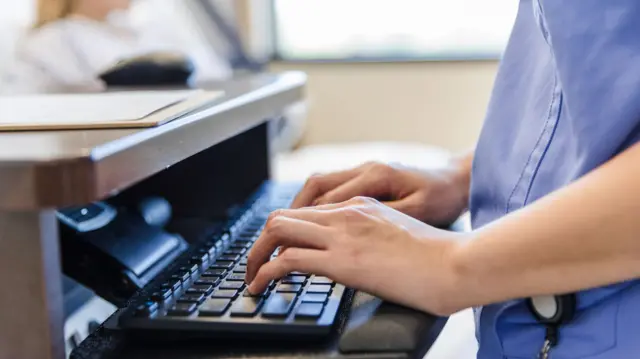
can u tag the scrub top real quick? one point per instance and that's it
(566, 100)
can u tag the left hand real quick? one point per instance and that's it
(364, 245)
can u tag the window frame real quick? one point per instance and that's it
(276, 55)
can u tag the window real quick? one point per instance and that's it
(391, 29)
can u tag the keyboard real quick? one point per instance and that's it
(207, 293)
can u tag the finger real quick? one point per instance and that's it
(400, 205)
(294, 259)
(319, 184)
(354, 201)
(411, 206)
(362, 185)
(282, 249)
(284, 231)
(308, 214)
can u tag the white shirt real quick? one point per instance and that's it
(67, 55)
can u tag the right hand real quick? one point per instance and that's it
(434, 197)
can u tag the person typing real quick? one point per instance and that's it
(552, 188)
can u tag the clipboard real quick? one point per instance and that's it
(112, 110)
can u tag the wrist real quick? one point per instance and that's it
(448, 290)
(470, 280)
(452, 198)
(460, 168)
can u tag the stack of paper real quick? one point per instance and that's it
(105, 110)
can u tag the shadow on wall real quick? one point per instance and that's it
(437, 103)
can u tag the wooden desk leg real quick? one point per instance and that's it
(31, 307)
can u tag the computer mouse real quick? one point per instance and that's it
(154, 69)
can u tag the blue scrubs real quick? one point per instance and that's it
(566, 100)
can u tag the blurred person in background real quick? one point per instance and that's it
(73, 41)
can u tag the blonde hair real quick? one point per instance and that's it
(53, 10)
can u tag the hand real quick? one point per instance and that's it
(436, 197)
(362, 244)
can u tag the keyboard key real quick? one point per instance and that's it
(240, 269)
(199, 259)
(322, 280)
(225, 293)
(289, 288)
(235, 252)
(237, 277)
(181, 277)
(314, 298)
(200, 289)
(231, 285)
(146, 309)
(214, 307)
(300, 273)
(212, 281)
(192, 298)
(219, 246)
(182, 310)
(173, 285)
(294, 279)
(161, 295)
(319, 288)
(279, 305)
(258, 295)
(246, 307)
(216, 273)
(222, 265)
(229, 258)
(243, 261)
(241, 244)
(309, 310)
(191, 270)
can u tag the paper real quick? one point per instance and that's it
(87, 108)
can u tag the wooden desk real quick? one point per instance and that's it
(42, 171)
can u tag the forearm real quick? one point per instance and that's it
(583, 236)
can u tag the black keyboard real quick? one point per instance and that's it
(208, 293)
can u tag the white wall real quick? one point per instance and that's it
(438, 103)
